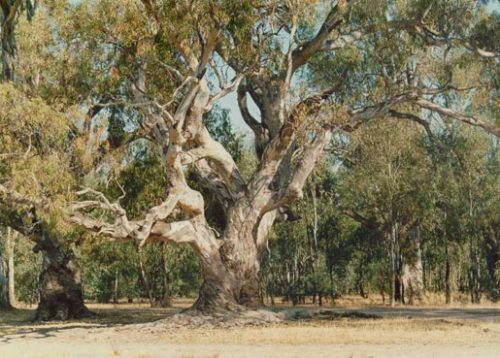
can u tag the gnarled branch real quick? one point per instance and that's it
(304, 52)
(472, 120)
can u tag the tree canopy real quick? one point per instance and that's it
(111, 126)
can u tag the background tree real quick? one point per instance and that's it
(35, 171)
(387, 186)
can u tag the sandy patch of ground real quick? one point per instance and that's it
(418, 332)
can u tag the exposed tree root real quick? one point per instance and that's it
(197, 319)
(192, 318)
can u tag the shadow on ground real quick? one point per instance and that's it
(18, 324)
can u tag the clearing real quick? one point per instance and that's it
(365, 331)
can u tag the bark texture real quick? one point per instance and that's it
(61, 296)
(8, 41)
(4, 287)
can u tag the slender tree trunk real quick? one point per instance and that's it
(314, 246)
(447, 288)
(394, 281)
(474, 275)
(398, 288)
(165, 301)
(361, 280)
(296, 276)
(116, 286)
(146, 281)
(271, 276)
(330, 279)
(10, 243)
(6, 272)
(4, 287)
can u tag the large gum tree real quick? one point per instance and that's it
(302, 73)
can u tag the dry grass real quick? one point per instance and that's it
(429, 300)
(113, 322)
(344, 331)
(113, 333)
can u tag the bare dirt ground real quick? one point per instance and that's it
(363, 331)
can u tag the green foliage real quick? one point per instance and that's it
(447, 186)
(106, 262)
(113, 270)
(76, 55)
(28, 266)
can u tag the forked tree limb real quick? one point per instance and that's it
(471, 120)
(154, 227)
(312, 153)
(305, 51)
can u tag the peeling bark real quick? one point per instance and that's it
(61, 295)
(231, 273)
